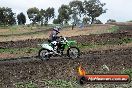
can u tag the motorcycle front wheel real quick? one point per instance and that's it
(43, 54)
(73, 52)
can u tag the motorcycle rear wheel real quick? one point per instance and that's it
(44, 54)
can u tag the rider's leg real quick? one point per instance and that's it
(54, 45)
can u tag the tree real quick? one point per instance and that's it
(129, 21)
(111, 20)
(57, 21)
(93, 9)
(7, 17)
(21, 18)
(33, 14)
(42, 14)
(64, 12)
(49, 14)
(76, 10)
(86, 20)
(97, 22)
(46, 15)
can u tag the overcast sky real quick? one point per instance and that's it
(120, 10)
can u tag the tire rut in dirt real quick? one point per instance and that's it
(65, 69)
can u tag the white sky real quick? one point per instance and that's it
(120, 10)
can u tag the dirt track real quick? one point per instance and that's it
(36, 70)
(94, 38)
(32, 69)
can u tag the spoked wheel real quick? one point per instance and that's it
(73, 52)
(43, 54)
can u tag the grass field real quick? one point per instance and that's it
(20, 29)
(22, 33)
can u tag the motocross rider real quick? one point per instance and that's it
(54, 37)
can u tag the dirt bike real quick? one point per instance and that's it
(47, 50)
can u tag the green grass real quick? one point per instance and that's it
(127, 71)
(81, 46)
(112, 42)
(61, 83)
(26, 85)
(20, 30)
(50, 84)
(19, 50)
(58, 83)
(113, 29)
(116, 42)
(23, 30)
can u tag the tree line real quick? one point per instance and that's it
(86, 11)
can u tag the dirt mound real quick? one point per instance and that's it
(123, 26)
(94, 38)
(121, 23)
(21, 44)
(36, 71)
(102, 37)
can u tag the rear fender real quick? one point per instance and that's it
(47, 46)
